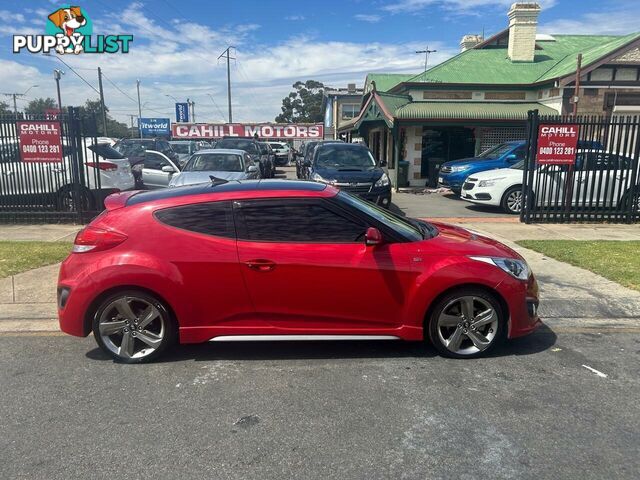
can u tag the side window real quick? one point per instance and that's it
(154, 161)
(213, 218)
(297, 222)
(520, 152)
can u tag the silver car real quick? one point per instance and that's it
(184, 149)
(224, 164)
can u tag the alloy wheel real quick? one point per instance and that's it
(514, 201)
(467, 325)
(131, 327)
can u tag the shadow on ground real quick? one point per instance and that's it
(541, 340)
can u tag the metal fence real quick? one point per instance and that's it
(602, 185)
(50, 191)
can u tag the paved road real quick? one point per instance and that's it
(323, 410)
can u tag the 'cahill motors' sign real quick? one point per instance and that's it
(557, 144)
(262, 130)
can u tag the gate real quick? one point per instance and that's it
(597, 180)
(49, 189)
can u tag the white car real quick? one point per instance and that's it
(281, 151)
(503, 187)
(223, 164)
(56, 183)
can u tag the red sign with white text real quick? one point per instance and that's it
(557, 144)
(262, 130)
(40, 141)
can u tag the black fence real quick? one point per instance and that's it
(69, 190)
(602, 184)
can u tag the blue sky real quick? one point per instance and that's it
(176, 45)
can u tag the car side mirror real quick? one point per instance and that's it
(511, 158)
(373, 237)
(252, 169)
(168, 169)
(383, 163)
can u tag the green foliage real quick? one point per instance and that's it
(304, 104)
(4, 108)
(16, 257)
(114, 128)
(39, 105)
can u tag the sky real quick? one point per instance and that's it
(177, 43)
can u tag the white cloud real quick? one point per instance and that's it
(460, 6)
(295, 18)
(611, 22)
(367, 18)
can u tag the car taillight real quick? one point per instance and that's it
(91, 239)
(107, 166)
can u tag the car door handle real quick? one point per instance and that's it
(260, 265)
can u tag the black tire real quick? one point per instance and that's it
(448, 301)
(69, 198)
(169, 331)
(635, 203)
(507, 201)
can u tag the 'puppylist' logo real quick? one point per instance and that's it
(69, 30)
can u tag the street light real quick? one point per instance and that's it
(171, 96)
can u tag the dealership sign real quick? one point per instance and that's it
(262, 130)
(557, 144)
(182, 112)
(40, 141)
(155, 126)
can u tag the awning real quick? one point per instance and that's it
(469, 111)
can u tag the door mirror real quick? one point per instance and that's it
(168, 169)
(511, 158)
(383, 163)
(252, 169)
(373, 237)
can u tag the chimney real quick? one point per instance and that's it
(351, 87)
(523, 21)
(470, 41)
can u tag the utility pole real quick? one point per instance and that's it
(139, 108)
(15, 96)
(131, 117)
(576, 93)
(192, 108)
(426, 56)
(57, 74)
(228, 57)
(104, 110)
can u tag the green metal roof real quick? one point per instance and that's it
(386, 81)
(469, 111)
(554, 59)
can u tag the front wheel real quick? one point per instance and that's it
(467, 323)
(512, 200)
(133, 327)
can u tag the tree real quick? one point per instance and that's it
(91, 109)
(4, 108)
(304, 104)
(39, 105)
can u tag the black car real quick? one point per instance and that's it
(252, 146)
(134, 149)
(307, 154)
(265, 149)
(351, 168)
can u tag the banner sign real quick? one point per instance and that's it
(182, 112)
(40, 141)
(557, 144)
(262, 130)
(155, 126)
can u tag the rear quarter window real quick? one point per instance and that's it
(212, 218)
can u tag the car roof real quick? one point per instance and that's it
(257, 186)
(220, 151)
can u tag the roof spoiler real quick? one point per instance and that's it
(119, 200)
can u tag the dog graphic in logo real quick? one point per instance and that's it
(68, 20)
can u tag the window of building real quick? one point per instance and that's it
(214, 218)
(297, 221)
(349, 111)
(626, 74)
(602, 74)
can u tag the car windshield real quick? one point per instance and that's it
(345, 158)
(384, 216)
(180, 147)
(235, 143)
(496, 152)
(214, 162)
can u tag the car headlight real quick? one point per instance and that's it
(459, 169)
(383, 181)
(514, 267)
(490, 182)
(317, 178)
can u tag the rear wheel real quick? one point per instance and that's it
(71, 199)
(133, 327)
(467, 323)
(512, 200)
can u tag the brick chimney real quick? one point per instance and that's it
(523, 22)
(470, 41)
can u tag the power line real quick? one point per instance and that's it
(77, 74)
(118, 88)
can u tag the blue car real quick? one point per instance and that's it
(453, 174)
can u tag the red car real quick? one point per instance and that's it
(277, 259)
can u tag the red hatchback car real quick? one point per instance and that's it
(277, 259)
